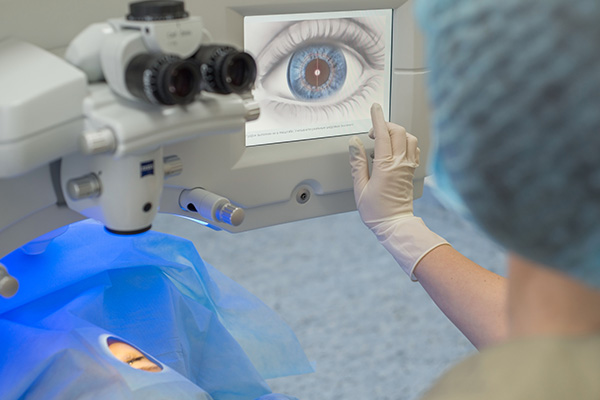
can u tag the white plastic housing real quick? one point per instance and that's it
(41, 99)
(115, 54)
(130, 189)
(84, 50)
(139, 127)
(181, 37)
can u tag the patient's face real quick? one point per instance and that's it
(132, 356)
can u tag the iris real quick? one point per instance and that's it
(316, 72)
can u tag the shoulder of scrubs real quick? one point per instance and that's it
(540, 368)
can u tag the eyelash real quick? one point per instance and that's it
(349, 106)
(369, 44)
(134, 360)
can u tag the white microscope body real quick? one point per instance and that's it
(127, 88)
(87, 133)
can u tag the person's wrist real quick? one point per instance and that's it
(408, 241)
(384, 227)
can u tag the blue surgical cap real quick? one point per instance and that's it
(515, 92)
(213, 339)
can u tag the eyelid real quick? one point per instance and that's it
(152, 368)
(144, 364)
(136, 359)
(347, 31)
(348, 105)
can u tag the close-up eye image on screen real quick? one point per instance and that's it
(318, 73)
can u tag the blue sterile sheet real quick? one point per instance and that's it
(212, 338)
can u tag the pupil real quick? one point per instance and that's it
(317, 72)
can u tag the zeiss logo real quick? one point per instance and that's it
(147, 168)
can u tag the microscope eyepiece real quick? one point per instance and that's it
(240, 72)
(162, 79)
(226, 70)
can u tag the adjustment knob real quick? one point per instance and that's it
(156, 10)
(172, 165)
(252, 110)
(84, 187)
(211, 206)
(96, 142)
(8, 284)
(231, 214)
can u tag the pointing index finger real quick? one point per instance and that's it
(383, 145)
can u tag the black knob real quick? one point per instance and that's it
(156, 10)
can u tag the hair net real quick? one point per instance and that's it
(515, 91)
(213, 339)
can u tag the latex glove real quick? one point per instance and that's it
(385, 198)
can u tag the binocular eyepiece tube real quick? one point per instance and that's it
(170, 80)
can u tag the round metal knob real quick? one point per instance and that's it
(172, 165)
(8, 284)
(85, 187)
(252, 110)
(231, 214)
(102, 141)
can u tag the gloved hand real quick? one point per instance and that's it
(385, 199)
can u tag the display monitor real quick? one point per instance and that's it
(318, 73)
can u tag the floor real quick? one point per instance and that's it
(372, 333)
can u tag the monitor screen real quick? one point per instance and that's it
(318, 73)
